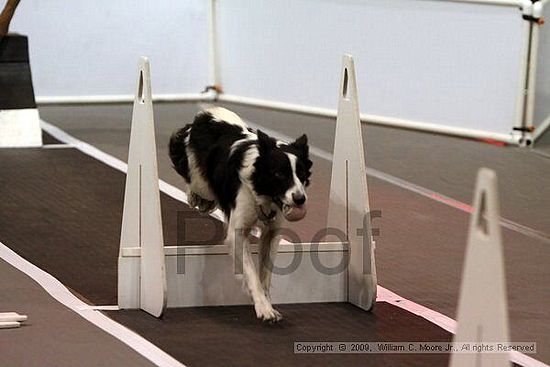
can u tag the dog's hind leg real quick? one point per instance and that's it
(242, 218)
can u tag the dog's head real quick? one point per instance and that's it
(281, 172)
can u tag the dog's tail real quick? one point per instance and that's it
(177, 151)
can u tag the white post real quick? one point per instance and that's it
(141, 221)
(482, 307)
(533, 64)
(522, 97)
(212, 44)
(349, 201)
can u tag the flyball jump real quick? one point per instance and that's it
(148, 276)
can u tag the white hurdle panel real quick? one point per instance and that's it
(483, 306)
(204, 275)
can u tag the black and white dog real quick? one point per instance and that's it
(254, 179)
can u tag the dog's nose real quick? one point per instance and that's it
(298, 199)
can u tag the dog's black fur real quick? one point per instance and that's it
(245, 173)
(211, 140)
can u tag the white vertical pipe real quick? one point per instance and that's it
(527, 9)
(532, 70)
(213, 77)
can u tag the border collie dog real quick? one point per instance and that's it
(253, 178)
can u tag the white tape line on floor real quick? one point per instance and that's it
(59, 292)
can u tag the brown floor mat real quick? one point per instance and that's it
(62, 211)
(48, 139)
(232, 336)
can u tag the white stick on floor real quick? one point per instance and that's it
(483, 307)
(10, 320)
(9, 324)
(12, 316)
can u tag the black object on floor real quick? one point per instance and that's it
(16, 90)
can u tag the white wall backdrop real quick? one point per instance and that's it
(451, 64)
(92, 47)
(455, 64)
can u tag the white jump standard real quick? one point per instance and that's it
(209, 270)
(483, 306)
(141, 220)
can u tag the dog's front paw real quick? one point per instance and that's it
(199, 203)
(193, 199)
(266, 312)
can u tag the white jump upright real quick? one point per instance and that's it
(349, 200)
(142, 284)
(203, 275)
(482, 307)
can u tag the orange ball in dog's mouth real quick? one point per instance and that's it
(294, 213)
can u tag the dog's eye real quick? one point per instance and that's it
(279, 176)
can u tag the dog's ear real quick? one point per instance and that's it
(301, 145)
(265, 142)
